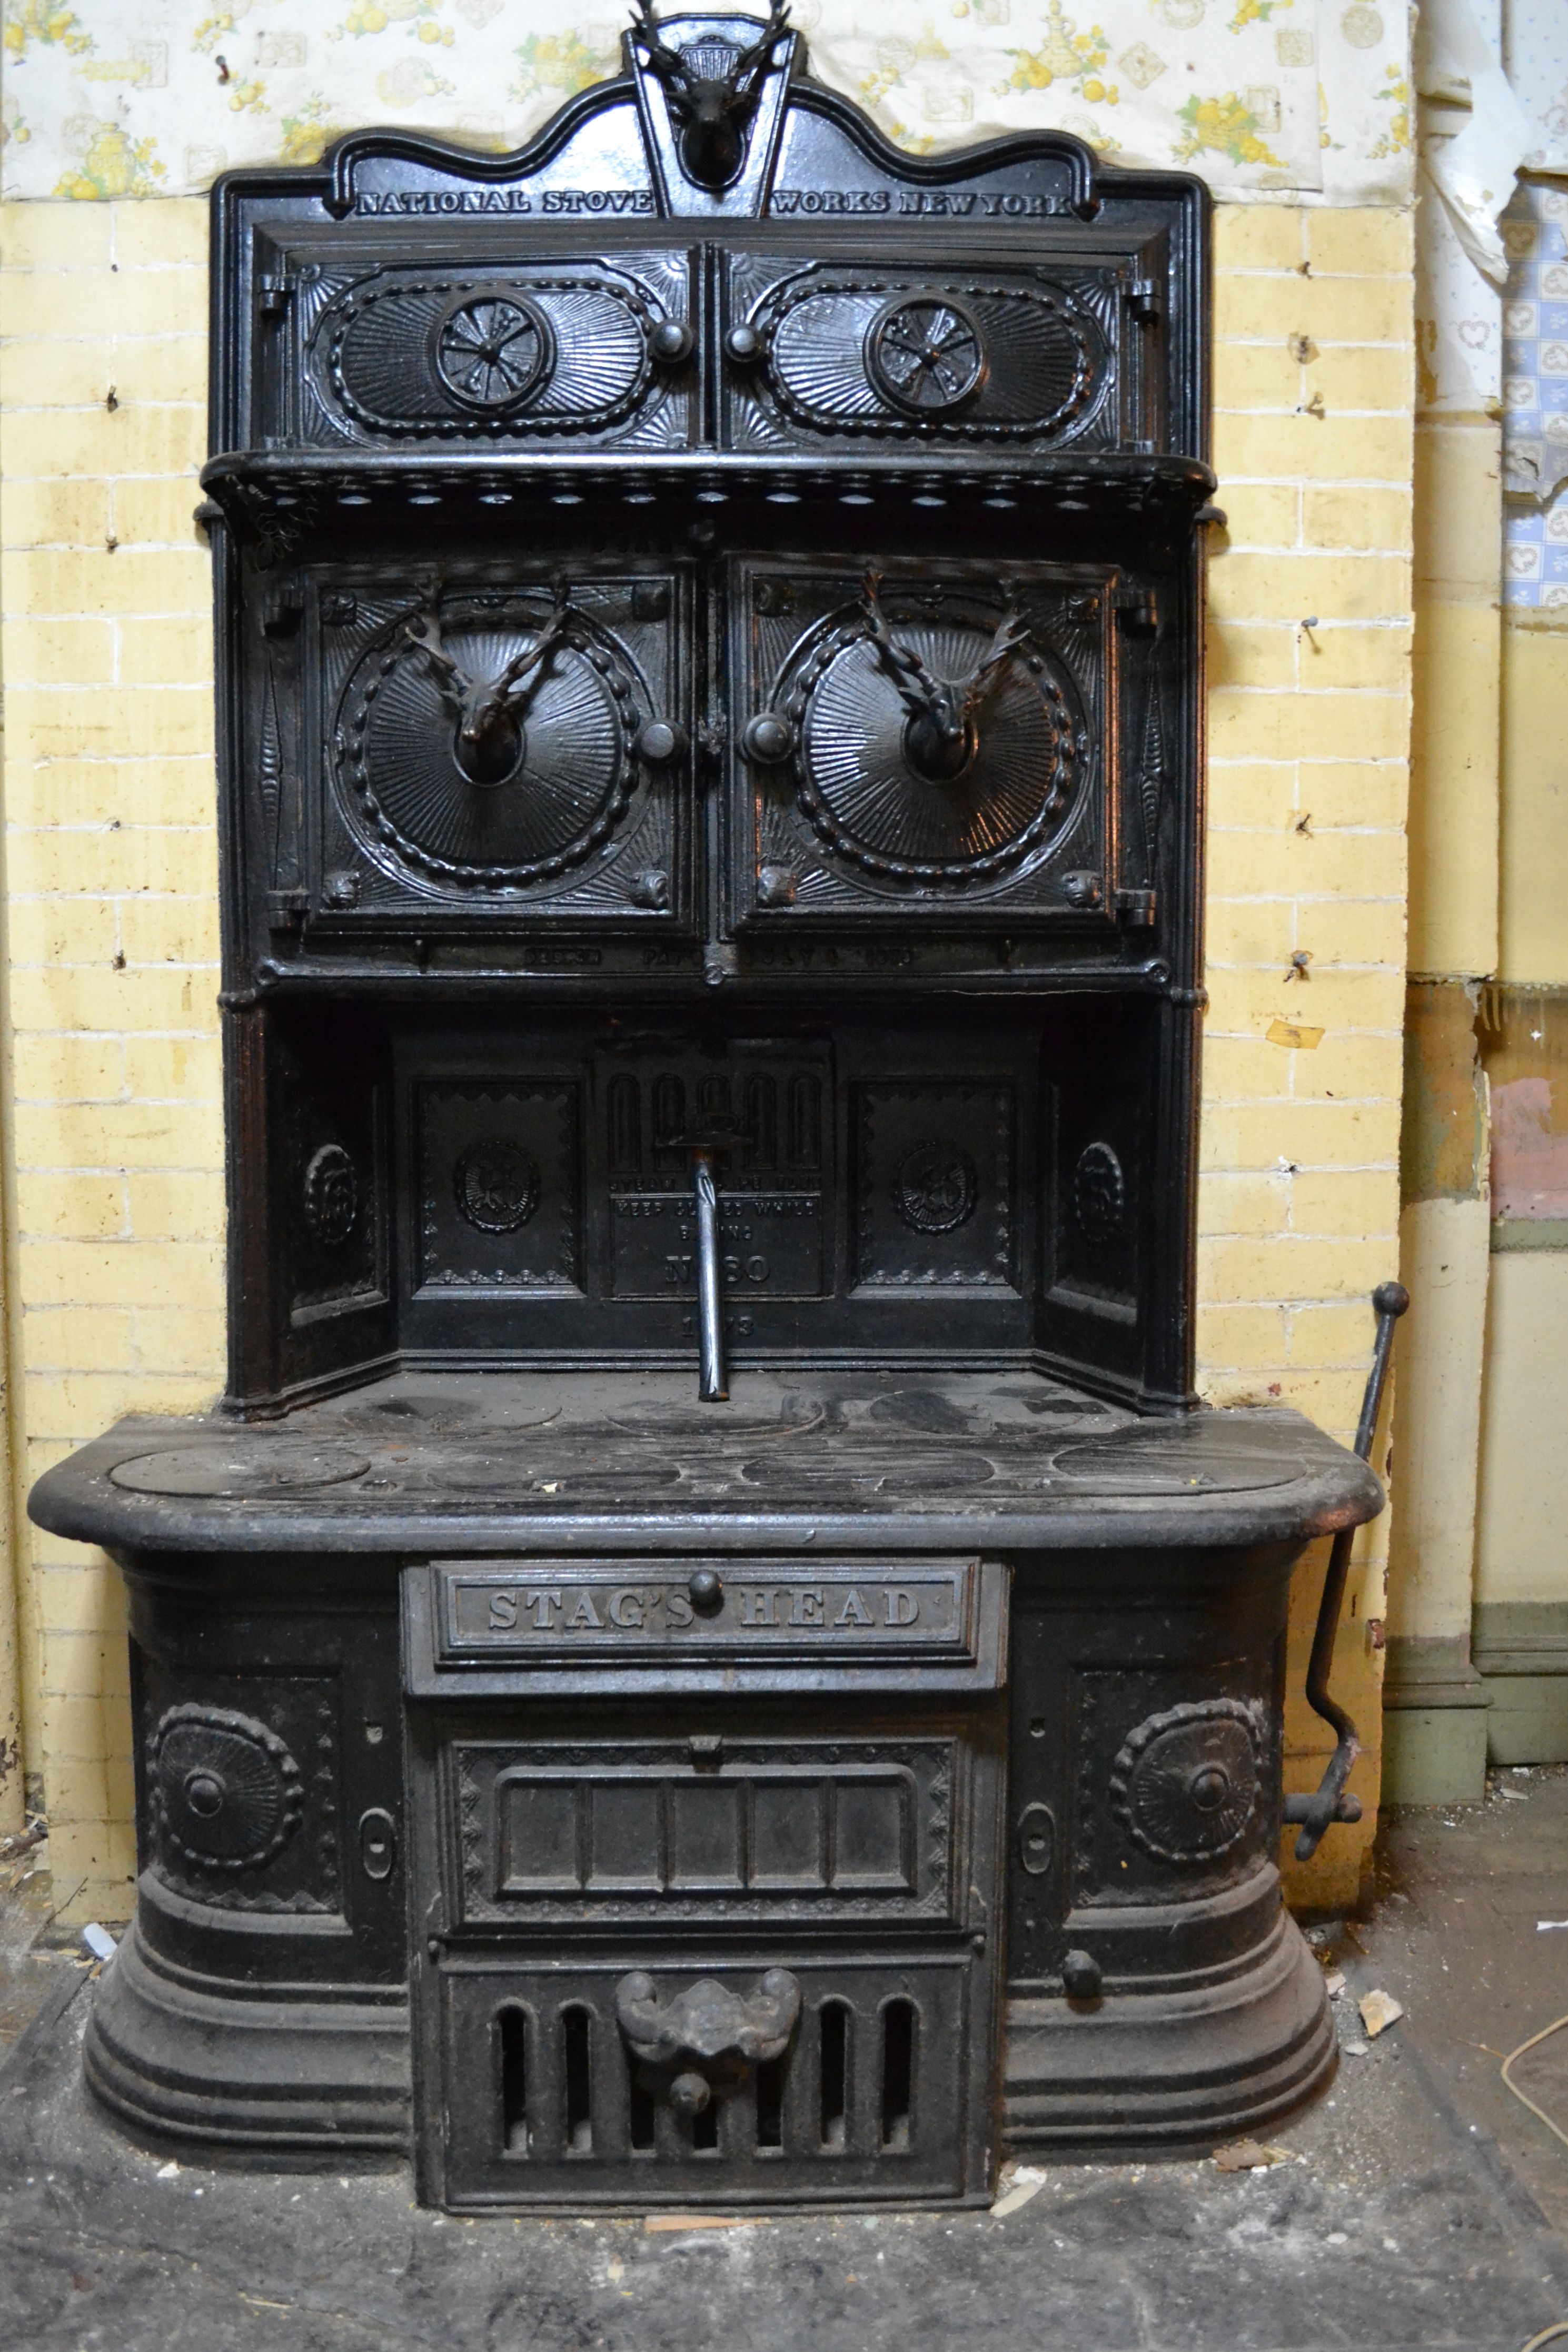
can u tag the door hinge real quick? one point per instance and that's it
(1136, 909)
(1138, 609)
(287, 910)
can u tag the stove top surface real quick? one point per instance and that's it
(499, 1458)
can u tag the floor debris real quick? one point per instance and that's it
(1024, 2182)
(657, 2224)
(1251, 2156)
(1379, 2010)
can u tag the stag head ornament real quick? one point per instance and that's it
(939, 740)
(488, 739)
(711, 87)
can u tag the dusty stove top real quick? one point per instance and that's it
(496, 1459)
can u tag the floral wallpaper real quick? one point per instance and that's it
(1535, 399)
(124, 98)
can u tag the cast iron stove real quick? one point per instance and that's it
(708, 1654)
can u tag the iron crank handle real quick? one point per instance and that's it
(1328, 1803)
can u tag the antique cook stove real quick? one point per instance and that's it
(708, 1653)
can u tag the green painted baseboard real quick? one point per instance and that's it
(1435, 1756)
(1520, 1651)
(1434, 1725)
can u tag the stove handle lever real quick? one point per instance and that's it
(1328, 1803)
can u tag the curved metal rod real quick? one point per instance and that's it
(714, 1385)
(1328, 1803)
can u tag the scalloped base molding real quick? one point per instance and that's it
(1211, 2055)
(180, 2056)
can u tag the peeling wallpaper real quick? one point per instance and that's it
(122, 97)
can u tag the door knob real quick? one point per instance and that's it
(672, 341)
(767, 738)
(660, 740)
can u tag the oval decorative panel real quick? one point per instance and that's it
(851, 352)
(228, 1791)
(481, 357)
(1188, 1782)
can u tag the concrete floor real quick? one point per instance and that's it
(1424, 2207)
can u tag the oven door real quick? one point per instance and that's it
(492, 749)
(937, 744)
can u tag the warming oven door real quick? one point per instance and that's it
(939, 740)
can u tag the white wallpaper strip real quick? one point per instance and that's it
(1266, 99)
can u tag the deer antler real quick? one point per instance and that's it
(920, 689)
(423, 628)
(503, 690)
(759, 56)
(659, 58)
(943, 710)
(1011, 631)
(712, 91)
(484, 707)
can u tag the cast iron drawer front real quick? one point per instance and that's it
(822, 1830)
(552, 2102)
(511, 1629)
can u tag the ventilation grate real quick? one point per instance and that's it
(567, 2088)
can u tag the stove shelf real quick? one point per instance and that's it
(284, 501)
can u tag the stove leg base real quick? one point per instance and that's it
(1183, 2069)
(181, 2057)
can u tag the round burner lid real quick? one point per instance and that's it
(679, 1424)
(418, 1413)
(868, 1469)
(1210, 1454)
(239, 1468)
(568, 1479)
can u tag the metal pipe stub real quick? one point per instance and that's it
(712, 1385)
(705, 1145)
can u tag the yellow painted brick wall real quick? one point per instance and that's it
(114, 1111)
(116, 1134)
(1308, 731)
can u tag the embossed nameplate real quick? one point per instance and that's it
(563, 1613)
(771, 1243)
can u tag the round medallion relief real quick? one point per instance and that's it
(892, 791)
(935, 1186)
(227, 1790)
(1187, 1782)
(491, 352)
(497, 1184)
(477, 783)
(925, 354)
(331, 1195)
(1099, 1193)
